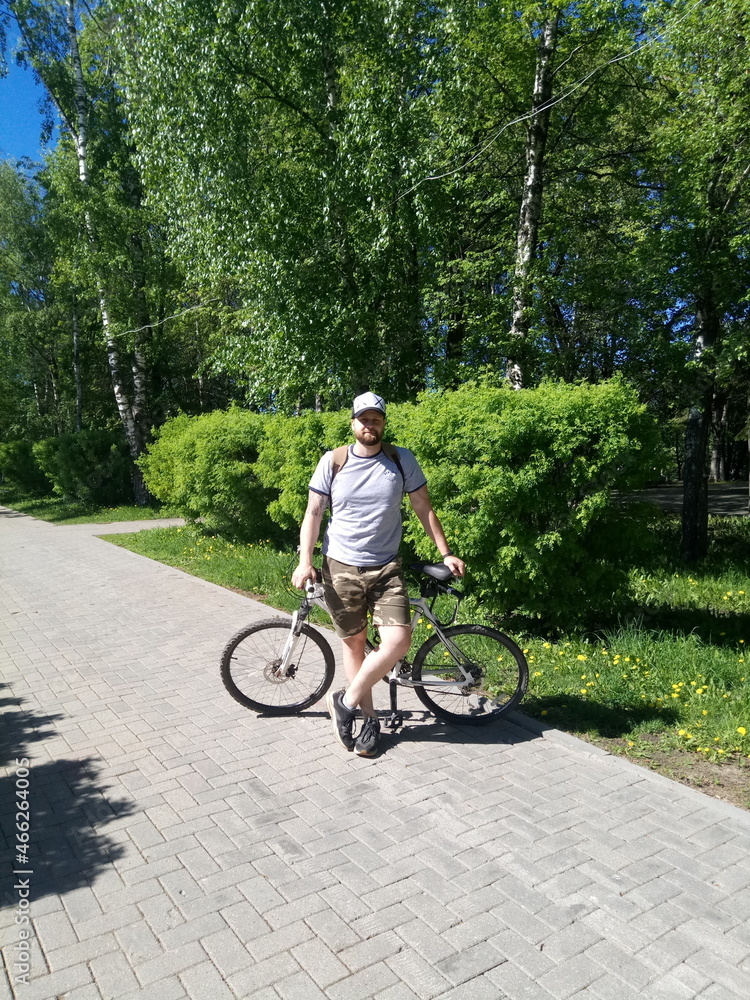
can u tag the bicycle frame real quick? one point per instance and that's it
(399, 675)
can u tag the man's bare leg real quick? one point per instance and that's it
(364, 672)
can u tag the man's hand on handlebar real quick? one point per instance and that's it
(303, 573)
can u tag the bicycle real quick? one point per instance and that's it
(462, 673)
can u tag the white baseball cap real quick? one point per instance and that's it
(368, 401)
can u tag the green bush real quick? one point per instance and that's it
(19, 468)
(203, 468)
(92, 466)
(288, 455)
(525, 482)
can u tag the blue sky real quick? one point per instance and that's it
(20, 118)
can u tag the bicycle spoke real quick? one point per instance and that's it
(489, 678)
(251, 668)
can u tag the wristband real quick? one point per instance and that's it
(448, 553)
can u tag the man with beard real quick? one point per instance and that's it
(361, 567)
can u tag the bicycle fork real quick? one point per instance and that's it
(286, 660)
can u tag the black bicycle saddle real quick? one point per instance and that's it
(438, 571)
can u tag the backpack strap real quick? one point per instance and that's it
(338, 460)
(391, 451)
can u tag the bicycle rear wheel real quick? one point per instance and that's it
(498, 667)
(250, 668)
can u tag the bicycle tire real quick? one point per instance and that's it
(248, 661)
(501, 671)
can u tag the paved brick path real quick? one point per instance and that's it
(187, 848)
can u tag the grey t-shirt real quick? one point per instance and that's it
(365, 524)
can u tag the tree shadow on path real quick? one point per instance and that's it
(68, 808)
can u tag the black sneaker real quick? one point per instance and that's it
(369, 737)
(342, 717)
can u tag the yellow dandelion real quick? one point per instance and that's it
(742, 731)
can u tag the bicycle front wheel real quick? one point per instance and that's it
(250, 668)
(498, 668)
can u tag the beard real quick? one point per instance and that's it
(368, 436)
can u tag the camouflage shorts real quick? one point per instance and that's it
(352, 591)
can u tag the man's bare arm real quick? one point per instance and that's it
(308, 537)
(420, 501)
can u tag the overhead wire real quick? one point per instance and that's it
(547, 105)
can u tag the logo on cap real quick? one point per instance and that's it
(368, 401)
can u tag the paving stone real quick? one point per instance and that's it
(423, 978)
(320, 962)
(370, 982)
(227, 952)
(170, 963)
(255, 977)
(244, 856)
(89, 992)
(572, 976)
(113, 975)
(74, 954)
(204, 980)
(64, 981)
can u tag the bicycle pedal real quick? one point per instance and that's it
(395, 721)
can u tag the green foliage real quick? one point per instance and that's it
(289, 181)
(19, 468)
(204, 468)
(291, 449)
(524, 484)
(93, 466)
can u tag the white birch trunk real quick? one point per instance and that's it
(125, 408)
(533, 188)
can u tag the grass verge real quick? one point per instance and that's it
(59, 511)
(667, 687)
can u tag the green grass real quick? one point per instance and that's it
(672, 674)
(634, 683)
(60, 511)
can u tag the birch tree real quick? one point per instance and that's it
(533, 182)
(51, 44)
(281, 140)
